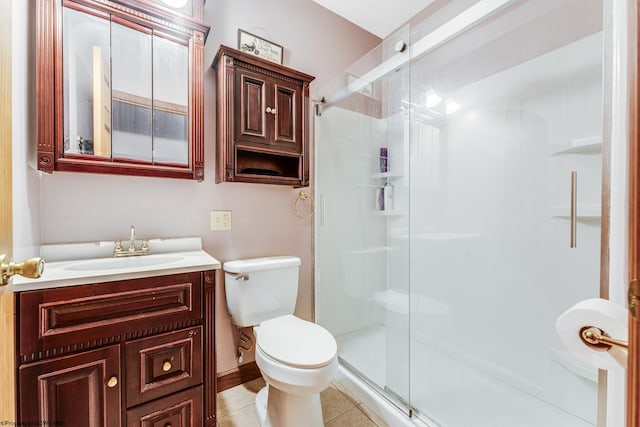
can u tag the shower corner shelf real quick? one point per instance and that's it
(388, 213)
(588, 145)
(584, 212)
(386, 175)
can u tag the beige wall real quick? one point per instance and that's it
(82, 207)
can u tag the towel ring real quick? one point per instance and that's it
(302, 196)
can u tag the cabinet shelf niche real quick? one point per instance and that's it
(265, 167)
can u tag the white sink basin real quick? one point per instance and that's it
(72, 264)
(123, 263)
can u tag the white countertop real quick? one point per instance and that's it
(71, 266)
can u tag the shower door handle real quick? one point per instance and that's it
(572, 209)
(322, 205)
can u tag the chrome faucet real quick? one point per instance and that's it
(119, 251)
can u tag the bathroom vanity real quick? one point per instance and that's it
(104, 342)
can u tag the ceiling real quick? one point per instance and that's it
(380, 17)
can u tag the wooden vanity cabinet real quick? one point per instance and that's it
(137, 352)
(262, 120)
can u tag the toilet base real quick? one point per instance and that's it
(276, 408)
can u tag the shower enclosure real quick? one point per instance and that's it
(459, 178)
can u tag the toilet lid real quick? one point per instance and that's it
(296, 342)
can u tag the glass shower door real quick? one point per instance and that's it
(444, 185)
(501, 117)
(362, 236)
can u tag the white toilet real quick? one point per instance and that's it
(298, 359)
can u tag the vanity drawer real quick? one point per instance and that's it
(182, 409)
(163, 364)
(92, 315)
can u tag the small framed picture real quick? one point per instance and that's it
(254, 45)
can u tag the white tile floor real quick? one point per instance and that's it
(236, 407)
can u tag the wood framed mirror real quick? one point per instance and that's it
(119, 87)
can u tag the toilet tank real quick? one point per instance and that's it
(260, 289)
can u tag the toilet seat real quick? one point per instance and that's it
(296, 342)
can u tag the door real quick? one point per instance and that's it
(633, 369)
(287, 132)
(270, 111)
(633, 372)
(490, 193)
(250, 107)
(78, 390)
(362, 291)
(7, 383)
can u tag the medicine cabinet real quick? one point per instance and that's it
(119, 87)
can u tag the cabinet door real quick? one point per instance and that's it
(78, 390)
(287, 134)
(250, 107)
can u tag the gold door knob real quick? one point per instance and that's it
(113, 381)
(32, 268)
(166, 366)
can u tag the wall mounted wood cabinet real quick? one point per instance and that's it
(262, 120)
(119, 87)
(137, 352)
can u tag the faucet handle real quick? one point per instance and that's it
(118, 248)
(145, 245)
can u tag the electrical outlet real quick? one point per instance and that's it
(220, 220)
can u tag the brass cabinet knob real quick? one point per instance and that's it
(166, 366)
(274, 111)
(268, 110)
(113, 381)
(32, 268)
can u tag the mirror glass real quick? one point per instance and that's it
(170, 102)
(87, 91)
(131, 71)
(126, 93)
